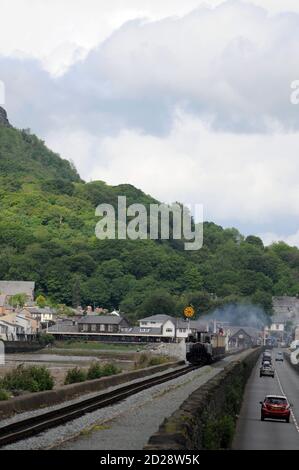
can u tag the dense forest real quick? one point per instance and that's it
(47, 234)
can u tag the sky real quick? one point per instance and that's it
(188, 101)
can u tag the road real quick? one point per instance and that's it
(251, 432)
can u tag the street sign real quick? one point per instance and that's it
(189, 312)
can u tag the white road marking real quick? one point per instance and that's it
(283, 393)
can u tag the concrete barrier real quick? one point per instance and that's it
(206, 420)
(37, 400)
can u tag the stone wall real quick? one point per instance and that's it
(37, 400)
(21, 346)
(206, 420)
(175, 350)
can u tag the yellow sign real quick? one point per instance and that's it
(189, 312)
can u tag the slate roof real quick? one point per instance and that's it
(100, 320)
(250, 331)
(17, 287)
(158, 318)
(178, 322)
(136, 330)
(62, 328)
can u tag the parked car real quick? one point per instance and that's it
(267, 370)
(279, 356)
(275, 407)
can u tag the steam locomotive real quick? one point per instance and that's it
(205, 348)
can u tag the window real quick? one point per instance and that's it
(93, 327)
(168, 330)
(110, 328)
(102, 327)
(85, 327)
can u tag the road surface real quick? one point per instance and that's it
(251, 432)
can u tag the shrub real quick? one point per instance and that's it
(156, 360)
(44, 339)
(32, 379)
(226, 428)
(4, 395)
(218, 433)
(145, 360)
(142, 361)
(110, 369)
(75, 375)
(96, 371)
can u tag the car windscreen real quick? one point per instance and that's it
(276, 401)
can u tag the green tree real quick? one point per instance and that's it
(41, 301)
(18, 300)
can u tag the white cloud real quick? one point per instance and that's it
(232, 145)
(234, 63)
(37, 28)
(269, 238)
(250, 178)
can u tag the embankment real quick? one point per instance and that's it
(37, 400)
(12, 347)
(206, 420)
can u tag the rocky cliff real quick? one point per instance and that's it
(3, 118)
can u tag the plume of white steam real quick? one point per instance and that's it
(240, 315)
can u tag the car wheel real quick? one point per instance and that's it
(288, 419)
(262, 418)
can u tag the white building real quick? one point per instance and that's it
(171, 327)
(278, 324)
(10, 331)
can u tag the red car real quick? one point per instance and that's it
(275, 407)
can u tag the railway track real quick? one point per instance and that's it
(34, 425)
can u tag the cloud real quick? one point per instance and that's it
(232, 65)
(187, 105)
(269, 238)
(41, 27)
(241, 177)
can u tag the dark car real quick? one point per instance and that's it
(279, 357)
(275, 407)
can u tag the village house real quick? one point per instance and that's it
(21, 325)
(101, 324)
(41, 315)
(243, 337)
(10, 331)
(170, 327)
(155, 328)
